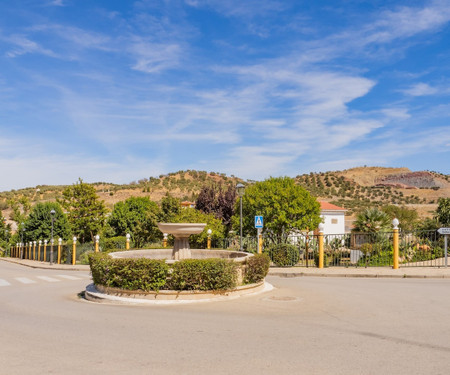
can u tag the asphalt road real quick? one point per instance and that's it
(304, 326)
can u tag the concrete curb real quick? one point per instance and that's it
(380, 273)
(94, 295)
(365, 275)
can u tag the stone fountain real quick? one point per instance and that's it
(181, 249)
(181, 233)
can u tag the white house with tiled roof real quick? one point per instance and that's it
(333, 218)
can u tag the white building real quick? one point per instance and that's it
(333, 218)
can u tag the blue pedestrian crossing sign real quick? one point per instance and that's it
(259, 223)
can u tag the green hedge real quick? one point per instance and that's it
(257, 268)
(284, 254)
(131, 274)
(203, 274)
(148, 274)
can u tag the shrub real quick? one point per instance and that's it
(131, 274)
(203, 274)
(257, 268)
(284, 254)
(112, 243)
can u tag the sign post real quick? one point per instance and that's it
(259, 223)
(445, 232)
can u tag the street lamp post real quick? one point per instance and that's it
(52, 213)
(240, 190)
(21, 239)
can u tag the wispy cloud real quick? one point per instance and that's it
(420, 89)
(23, 45)
(155, 57)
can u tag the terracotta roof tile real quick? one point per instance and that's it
(328, 206)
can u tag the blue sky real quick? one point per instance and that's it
(116, 91)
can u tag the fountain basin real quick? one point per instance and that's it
(181, 233)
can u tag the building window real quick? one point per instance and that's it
(334, 221)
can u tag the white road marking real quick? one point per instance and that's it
(4, 283)
(68, 277)
(25, 280)
(49, 279)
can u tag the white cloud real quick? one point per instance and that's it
(155, 57)
(23, 45)
(420, 89)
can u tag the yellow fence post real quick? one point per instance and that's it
(127, 245)
(39, 250)
(59, 250)
(395, 223)
(30, 252)
(321, 252)
(209, 239)
(34, 250)
(45, 251)
(260, 241)
(74, 250)
(97, 239)
(165, 240)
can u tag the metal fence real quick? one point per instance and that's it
(416, 249)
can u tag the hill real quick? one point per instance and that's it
(353, 189)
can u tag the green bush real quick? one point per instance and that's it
(203, 274)
(257, 268)
(113, 243)
(284, 254)
(131, 274)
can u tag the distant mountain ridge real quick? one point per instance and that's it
(354, 188)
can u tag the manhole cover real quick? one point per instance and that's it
(283, 298)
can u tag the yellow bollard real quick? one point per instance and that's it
(31, 246)
(260, 243)
(165, 240)
(321, 253)
(97, 238)
(34, 250)
(39, 250)
(45, 251)
(74, 250)
(209, 239)
(395, 223)
(127, 245)
(59, 250)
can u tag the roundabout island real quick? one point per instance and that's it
(178, 275)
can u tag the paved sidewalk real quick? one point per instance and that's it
(46, 265)
(377, 272)
(380, 272)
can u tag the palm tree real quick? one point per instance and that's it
(371, 220)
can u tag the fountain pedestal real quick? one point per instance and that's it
(181, 233)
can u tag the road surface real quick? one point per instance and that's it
(304, 326)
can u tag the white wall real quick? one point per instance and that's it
(334, 222)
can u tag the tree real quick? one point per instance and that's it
(38, 225)
(170, 207)
(5, 233)
(407, 217)
(20, 209)
(192, 215)
(214, 200)
(285, 206)
(443, 211)
(137, 216)
(87, 213)
(371, 220)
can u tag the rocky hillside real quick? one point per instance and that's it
(358, 188)
(353, 189)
